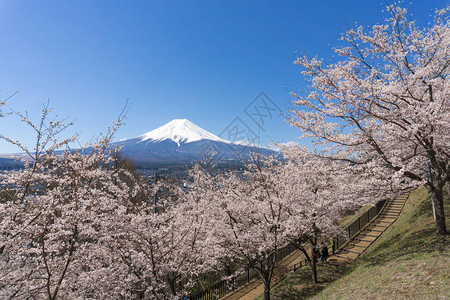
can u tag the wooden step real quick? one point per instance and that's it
(363, 240)
(383, 221)
(392, 212)
(397, 206)
(379, 226)
(372, 235)
(352, 255)
(360, 246)
(389, 214)
(390, 218)
(352, 251)
(342, 256)
(358, 242)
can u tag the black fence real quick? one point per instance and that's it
(356, 226)
(221, 288)
(351, 230)
(302, 263)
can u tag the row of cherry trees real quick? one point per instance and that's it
(82, 224)
(79, 224)
(384, 102)
(298, 200)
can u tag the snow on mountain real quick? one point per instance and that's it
(179, 131)
(180, 141)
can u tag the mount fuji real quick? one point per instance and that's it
(180, 141)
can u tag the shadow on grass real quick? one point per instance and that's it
(424, 210)
(300, 286)
(414, 236)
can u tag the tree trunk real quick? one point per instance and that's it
(435, 186)
(266, 290)
(313, 263)
(448, 189)
(437, 199)
(305, 253)
(172, 286)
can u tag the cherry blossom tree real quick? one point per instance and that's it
(319, 192)
(3, 103)
(81, 224)
(384, 102)
(160, 247)
(56, 213)
(244, 216)
(254, 213)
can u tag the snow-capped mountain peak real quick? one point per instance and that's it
(179, 131)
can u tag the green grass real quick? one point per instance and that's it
(299, 284)
(350, 218)
(409, 261)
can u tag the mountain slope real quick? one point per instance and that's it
(179, 131)
(181, 141)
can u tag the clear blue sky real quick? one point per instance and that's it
(200, 60)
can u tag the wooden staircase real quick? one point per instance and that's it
(375, 228)
(350, 251)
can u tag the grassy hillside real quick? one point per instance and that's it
(408, 261)
(350, 218)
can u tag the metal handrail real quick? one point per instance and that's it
(357, 226)
(222, 288)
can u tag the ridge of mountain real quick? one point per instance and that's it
(181, 141)
(179, 130)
